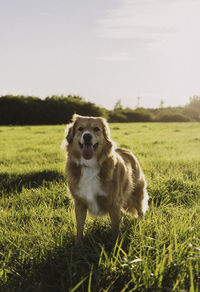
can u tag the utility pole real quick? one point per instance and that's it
(138, 101)
(162, 103)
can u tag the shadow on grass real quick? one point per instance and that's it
(16, 182)
(63, 267)
(91, 267)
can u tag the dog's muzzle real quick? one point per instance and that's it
(87, 147)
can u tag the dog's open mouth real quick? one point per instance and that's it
(88, 150)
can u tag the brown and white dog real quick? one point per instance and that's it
(102, 178)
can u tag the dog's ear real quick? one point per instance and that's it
(106, 132)
(70, 133)
(70, 130)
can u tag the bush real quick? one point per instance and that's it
(117, 117)
(21, 110)
(192, 110)
(130, 116)
(138, 115)
(172, 117)
(24, 110)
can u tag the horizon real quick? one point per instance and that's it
(137, 106)
(102, 51)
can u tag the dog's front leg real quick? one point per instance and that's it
(115, 216)
(81, 212)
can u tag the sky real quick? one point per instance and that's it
(102, 50)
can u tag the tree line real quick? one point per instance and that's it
(29, 110)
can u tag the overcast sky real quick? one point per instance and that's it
(102, 50)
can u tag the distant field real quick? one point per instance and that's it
(160, 252)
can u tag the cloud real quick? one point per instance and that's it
(145, 21)
(118, 57)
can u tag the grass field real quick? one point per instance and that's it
(160, 252)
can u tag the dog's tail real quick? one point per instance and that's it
(137, 204)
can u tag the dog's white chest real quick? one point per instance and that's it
(89, 184)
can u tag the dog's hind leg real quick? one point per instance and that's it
(115, 216)
(80, 212)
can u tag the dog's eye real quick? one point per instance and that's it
(96, 129)
(80, 129)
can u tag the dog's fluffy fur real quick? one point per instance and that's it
(102, 178)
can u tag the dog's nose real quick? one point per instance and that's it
(87, 138)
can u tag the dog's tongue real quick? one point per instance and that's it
(88, 151)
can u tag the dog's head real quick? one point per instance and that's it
(88, 137)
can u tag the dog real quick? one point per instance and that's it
(102, 178)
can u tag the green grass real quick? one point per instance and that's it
(160, 252)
